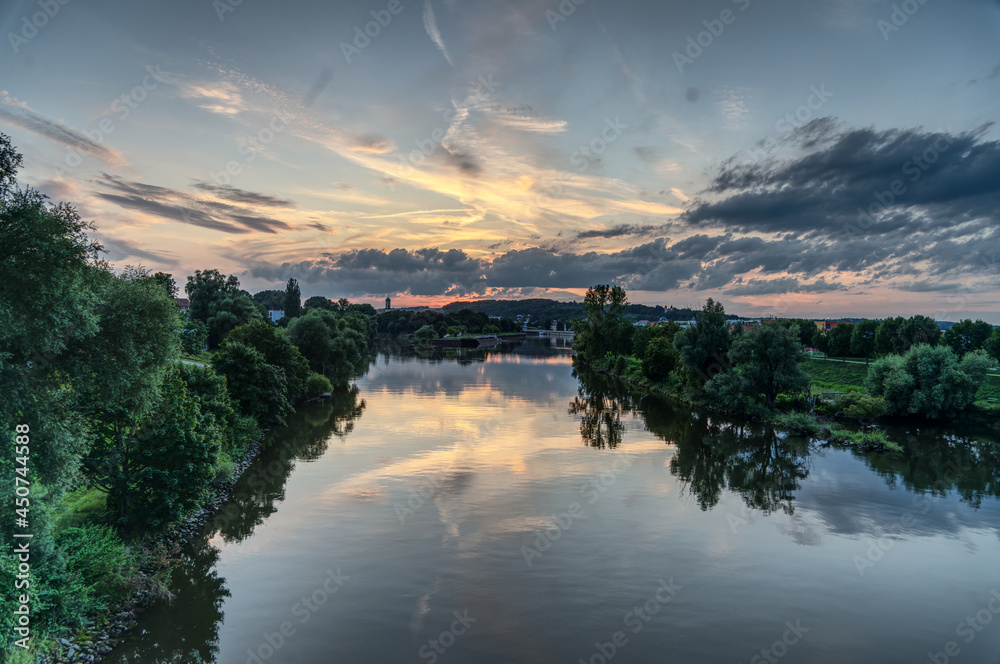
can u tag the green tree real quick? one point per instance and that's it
(703, 348)
(257, 388)
(659, 358)
(992, 344)
(278, 351)
(966, 336)
(167, 282)
(604, 327)
(293, 299)
(838, 340)
(806, 328)
(928, 381)
(765, 362)
(863, 338)
(217, 301)
(271, 300)
(320, 302)
(917, 330)
(194, 336)
(887, 339)
(173, 456)
(425, 334)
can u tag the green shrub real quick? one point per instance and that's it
(225, 468)
(317, 384)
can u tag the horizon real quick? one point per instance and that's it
(832, 161)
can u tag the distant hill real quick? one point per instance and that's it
(542, 309)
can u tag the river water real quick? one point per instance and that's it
(482, 507)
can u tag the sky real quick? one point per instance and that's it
(825, 158)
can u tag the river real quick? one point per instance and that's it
(482, 507)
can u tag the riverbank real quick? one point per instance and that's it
(816, 426)
(158, 554)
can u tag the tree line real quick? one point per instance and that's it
(918, 371)
(89, 363)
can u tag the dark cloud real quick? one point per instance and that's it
(621, 230)
(464, 162)
(26, 118)
(861, 199)
(119, 250)
(243, 196)
(178, 206)
(782, 285)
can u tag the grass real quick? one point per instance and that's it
(204, 357)
(81, 507)
(830, 376)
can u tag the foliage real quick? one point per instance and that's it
(603, 328)
(992, 344)
(194, 336)
(643, 335)
(765, 363)
(272, 300)
(863, 338)
(257, 388)
(425, 334)
(334, 344)
(293, 299)
(703, 348)
(278, 351)
(660, 358)
(838, 340)
(317, 385)
(966, 336)
(216, 300)
(319, 302)
(859, 405)
(929, 381)
(99, 567)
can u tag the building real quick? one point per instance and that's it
(183, 303)
(827, 325)
(274, 315)
(388, 304)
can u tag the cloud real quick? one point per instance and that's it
(782, 285)
(221, 97)
(20, 114)
(243, 196)
(174, 205)
(896, 202)
(621, 230)
(430, 25)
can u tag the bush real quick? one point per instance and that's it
(660, 358)
(928, 381)
(225, 468)
(100, 568)
(859, 405)
(317, 385)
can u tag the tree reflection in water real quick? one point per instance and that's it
(756, 463)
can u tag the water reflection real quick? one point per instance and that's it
(600, 405)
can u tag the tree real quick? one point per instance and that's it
(257, 388)
(659, 358)
(293, 299)
(279, 352)
(863, 338)
(992, 344)
(425, 334)
(194, 336)
(838, 340)
(966, 336)
(217, 301)
(320, 302)
(806, 328)
(173, 456)
(703, 348)
(765, 362)
(929, 381)
(819, 340)
(604, 327)
(917, 330)
(167, 282)
(271, 300)
(887, 339)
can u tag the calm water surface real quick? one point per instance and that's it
(562, 521)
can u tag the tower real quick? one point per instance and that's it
(388, 302)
